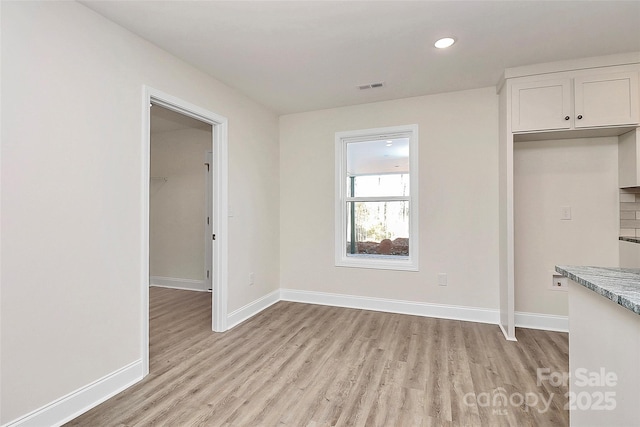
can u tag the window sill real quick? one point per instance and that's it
(379, 262)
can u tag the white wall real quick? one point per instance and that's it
(548, 175)
(177, 208)
(458, 167)
(72, 85)
(629, 254)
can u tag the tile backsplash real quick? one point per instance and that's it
(630, 212)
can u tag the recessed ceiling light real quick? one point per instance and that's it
(444, 42)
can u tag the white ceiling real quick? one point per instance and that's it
(296, 56)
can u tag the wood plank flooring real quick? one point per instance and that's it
(311, 365)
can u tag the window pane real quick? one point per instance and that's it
(380, 228)
(378, 185)
(378, 168)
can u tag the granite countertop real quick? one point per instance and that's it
(620, 285)
(630, 239)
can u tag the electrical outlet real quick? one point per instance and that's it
(559, 283)
(442, 279)
(566, 213)
(252, 277)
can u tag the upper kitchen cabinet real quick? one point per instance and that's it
(542, 105)
(576, 101)
(606, 100)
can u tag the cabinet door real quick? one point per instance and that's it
(543, 105)
(606, 100)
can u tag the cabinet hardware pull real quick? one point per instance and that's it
(566, 117)
(579, 116)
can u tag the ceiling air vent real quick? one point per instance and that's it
(371, 86)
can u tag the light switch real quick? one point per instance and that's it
(566, 213)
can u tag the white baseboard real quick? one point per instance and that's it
(177, 283)
(243, 313)
(546, 322)
(470, 314)
(78, 402)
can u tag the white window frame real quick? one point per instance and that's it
(384, 262)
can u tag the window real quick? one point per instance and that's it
(377, 198)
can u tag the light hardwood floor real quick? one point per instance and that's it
(311, 365)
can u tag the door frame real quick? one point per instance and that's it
(219, 145)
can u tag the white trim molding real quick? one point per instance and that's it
(442, 311)
(80, 401)
(545, 322)
(177, 283)
(525, 320)
(243, 313)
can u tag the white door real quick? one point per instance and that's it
(208, 223)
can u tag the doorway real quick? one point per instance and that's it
(218, 194)
(180, 211)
